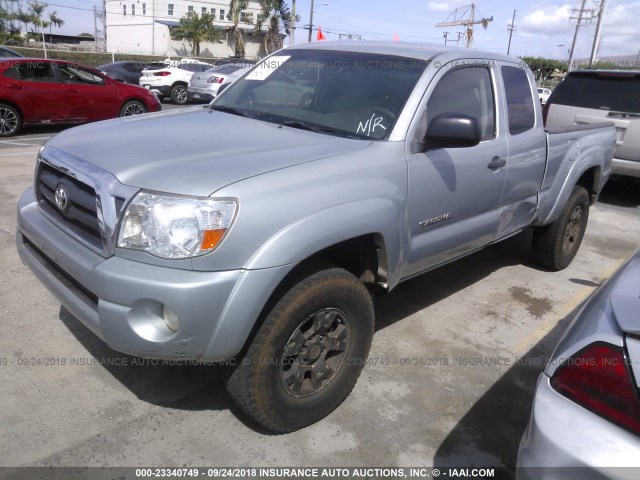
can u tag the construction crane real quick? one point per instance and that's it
(465, 17)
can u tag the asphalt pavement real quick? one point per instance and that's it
(449, 382)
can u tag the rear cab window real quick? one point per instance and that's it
(612, 91)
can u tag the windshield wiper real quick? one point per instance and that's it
(313, 127)
(223, 108)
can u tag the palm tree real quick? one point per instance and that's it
(235, 9)
(26, 18)
(54, 20)
(275, 15)
(196, 29)
(37, 9)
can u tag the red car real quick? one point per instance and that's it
(35, 91)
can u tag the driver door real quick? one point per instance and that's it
(454, 194)
(88, 97)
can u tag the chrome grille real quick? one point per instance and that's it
(77, 212)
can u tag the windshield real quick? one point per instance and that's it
(338, 93)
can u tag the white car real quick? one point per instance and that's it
(170, 79)
(543, 94)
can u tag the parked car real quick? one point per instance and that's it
(6, 52)
(34, 91)
(591, 96)
(204, 86)
(586, 410)
(171, 79)
(129, 72)
(257, 230)
(543, 94)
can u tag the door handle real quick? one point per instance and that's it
(14, 86)
(71, 90)
(496, 163)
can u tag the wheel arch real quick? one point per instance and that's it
(591, 179)
(363, 256)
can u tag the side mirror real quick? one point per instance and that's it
(452, 130)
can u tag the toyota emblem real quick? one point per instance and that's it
(62, 199)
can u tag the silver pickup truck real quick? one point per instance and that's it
(257, 229)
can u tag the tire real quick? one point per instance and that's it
(556, 245)
(10, 120)
(133, 107)
(324, 322)
(179, 94)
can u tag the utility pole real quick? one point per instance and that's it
(311, 21)
(511, 27)
(292, 38)
(596, 39)
(579, 19)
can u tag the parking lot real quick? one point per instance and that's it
(449, 381)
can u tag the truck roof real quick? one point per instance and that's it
(420, 51)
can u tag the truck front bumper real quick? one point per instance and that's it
(125, 303)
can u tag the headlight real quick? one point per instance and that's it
(175, 227)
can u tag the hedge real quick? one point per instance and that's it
(92, 59)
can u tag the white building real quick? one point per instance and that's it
(142, 26)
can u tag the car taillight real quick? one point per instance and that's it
(598, 378)
(161, 74)
(215, 80)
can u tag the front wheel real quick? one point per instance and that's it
(132, 107)
(179, 94)
(555, 245)
(306, 357)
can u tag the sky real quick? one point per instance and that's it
(543, 27)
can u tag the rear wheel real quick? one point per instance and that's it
(10, 120)
(132, 107)
(556, 245)
(179, 94)
(308, 354)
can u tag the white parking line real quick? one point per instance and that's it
(15, 144)
(21, 142)
(15, 154)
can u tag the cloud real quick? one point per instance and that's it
(552, 20)
(439, 6)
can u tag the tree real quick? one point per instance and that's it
(54, 20)
(235, 9)
(37, 9)
(9, 24)
(26, 18)
(543, 68)
(196, 29)
(275, 15)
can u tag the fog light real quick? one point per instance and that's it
(170, 318)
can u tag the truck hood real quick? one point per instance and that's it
(195, 151)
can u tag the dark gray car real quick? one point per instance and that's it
(129, 72)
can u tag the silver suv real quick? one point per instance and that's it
(594, 96)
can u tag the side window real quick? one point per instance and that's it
(13, 72)
(72, 74)
(36, 72)
(467, 91)
(520, 110)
